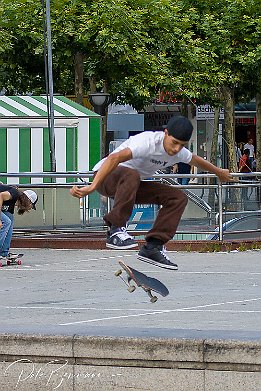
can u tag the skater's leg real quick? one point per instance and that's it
(121, 185)
(6, 233)
(173, 202)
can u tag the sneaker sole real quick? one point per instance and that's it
(121, 247)
(169, 267)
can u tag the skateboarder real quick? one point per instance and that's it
(9, 197)
(121, 176)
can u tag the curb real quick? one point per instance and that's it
(98, 242)
(46, 362)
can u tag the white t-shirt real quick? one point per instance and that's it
(148, 154)
(251, 149)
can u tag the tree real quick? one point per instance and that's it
(131, 49)
(107, 43)
(224, 39)
(258, 131)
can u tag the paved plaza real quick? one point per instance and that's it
(76, 291)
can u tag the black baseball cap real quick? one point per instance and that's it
(179, 127)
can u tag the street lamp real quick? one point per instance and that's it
(100, 101)
(49, 81)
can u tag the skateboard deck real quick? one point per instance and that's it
(13, 259)
(148, 284)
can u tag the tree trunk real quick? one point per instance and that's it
(92, 82)
(213, 156)
(258, 141)
(229, 127)
(184, 107)
(78, 69)
(258, 132)
(233, 196)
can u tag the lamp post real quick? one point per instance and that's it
(100, 101)
(49, 81)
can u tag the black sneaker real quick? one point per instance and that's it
(156, 256)
(119, 239)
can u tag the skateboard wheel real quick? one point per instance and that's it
(118, 273)
(154, 299)
(19, 262)
(1, 265)
(8, 262)
(131, 288)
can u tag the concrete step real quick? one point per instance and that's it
(34, 362)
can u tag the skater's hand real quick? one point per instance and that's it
(1, 224)
(222, 173)
(225, 176)
(80, 192)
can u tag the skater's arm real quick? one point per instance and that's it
(111, 162)
(4, 196)
(223, 174)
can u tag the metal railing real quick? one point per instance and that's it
(230, 199)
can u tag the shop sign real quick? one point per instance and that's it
(207, 112)
(245, 120)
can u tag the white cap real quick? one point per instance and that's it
(33, 197)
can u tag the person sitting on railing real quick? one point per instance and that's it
(122, 175)
(10, 197)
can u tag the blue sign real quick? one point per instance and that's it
(142, 217)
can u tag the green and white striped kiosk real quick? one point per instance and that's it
(24, 137)
(24, 147)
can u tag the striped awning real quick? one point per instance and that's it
(24, 136)
(36, 106)
(31, 111)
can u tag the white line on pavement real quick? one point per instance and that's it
(161, 311)
(69, 308)
(93, 270)
(104, 258)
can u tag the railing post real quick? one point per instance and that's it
(108, 205)
(220, 209)
(84, 219)
(54, 203)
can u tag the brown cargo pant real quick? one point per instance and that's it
(125, 187)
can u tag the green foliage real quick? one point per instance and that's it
(221, 46)
(135, 47)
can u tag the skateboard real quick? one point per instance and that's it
(148, 284)
(12, 259)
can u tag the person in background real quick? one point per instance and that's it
(244, 167)
(10, 197)
(238, 154)
(182, 168)
(122, 175)
(251, 148)
(244, 164)
(254, 165)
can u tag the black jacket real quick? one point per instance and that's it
(8, 206)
